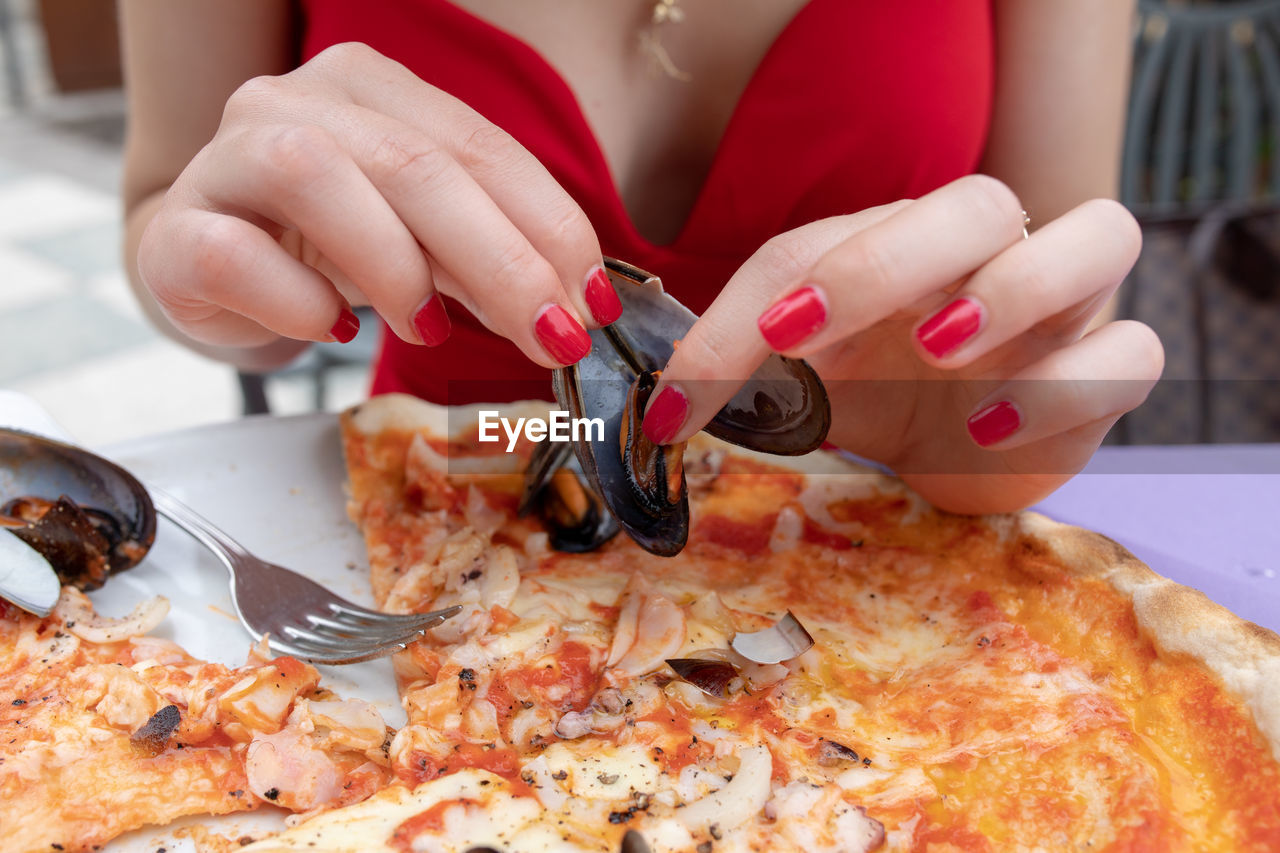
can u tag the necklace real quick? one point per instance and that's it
(664, 12)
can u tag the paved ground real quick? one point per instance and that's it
(72, 334)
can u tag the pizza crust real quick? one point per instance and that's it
(1178, 619)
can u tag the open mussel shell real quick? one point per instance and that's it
(782, 409)
(88, 516)
(593, 390)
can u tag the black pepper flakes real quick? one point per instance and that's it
(272, 794)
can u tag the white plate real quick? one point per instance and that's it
(277, 486)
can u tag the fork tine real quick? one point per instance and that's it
(357, 615)
(356, 630)
(323, 640)
(343, 646)
(331, 629)
(314, 643)
(341, 608)
(330, 656)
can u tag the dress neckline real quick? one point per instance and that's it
(600, 163)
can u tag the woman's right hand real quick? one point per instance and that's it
(351, 181)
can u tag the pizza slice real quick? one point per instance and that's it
(973, 683)
(104, 729)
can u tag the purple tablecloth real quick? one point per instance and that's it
(1205, 516)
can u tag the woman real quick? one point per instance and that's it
(282, 165)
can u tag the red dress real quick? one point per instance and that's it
(857, 103)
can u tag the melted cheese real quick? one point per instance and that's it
(958, 690)
(470, 804)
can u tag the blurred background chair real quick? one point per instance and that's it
(14, 77)
(316, 367)
(1202, 173)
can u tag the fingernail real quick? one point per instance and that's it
(344, 331)
(950, 327)
(664, 415)
(601, 298)
(432, 321)
(561, 336)
(793, 318)
(994, 423)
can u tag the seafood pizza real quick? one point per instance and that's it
(827, 664)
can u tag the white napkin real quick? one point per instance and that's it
(18, 411)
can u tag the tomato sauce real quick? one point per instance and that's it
(748, 537)
(816, 534)
(881, 511)
(572, 665)
(431, 820)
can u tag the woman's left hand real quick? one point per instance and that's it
(953, 350)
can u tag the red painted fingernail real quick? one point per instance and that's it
(994, 423)
(950, 327)
(344, 331)
(665, 415)
(561, 336)
(601, 298)
(793, 318)
(432, 321)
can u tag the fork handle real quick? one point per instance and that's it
(224, 547)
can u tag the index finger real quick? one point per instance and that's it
(724, 347)
(521, 187)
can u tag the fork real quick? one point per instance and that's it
(298, 616)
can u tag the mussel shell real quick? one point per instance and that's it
(67, 537)
(546, 459)
(782, 409)
(596, 388)
(655, 472)
(596, 526)
(33, 466)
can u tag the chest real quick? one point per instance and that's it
(792, 110)
(658, 97)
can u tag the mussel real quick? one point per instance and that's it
(87, 516)
(782, 409)
(576, 518)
